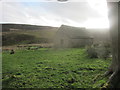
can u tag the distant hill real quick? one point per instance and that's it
(15, 27)
(13, 34)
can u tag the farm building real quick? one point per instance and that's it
(72, 37)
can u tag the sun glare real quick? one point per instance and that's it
(97, 23)
(99, 6)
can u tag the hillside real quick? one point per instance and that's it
(13, 34)
(16, 27)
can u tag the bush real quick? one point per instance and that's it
(91, 52)
(103, 52)
(99, 50)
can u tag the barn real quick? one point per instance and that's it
(72, 37)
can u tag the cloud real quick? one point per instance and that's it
(52, 13)
(0, 11)
(13, 12)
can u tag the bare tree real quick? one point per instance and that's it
(114, 69)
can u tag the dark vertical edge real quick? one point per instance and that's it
(119, 30)
(1, 46)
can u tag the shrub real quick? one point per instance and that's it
(99, 50)
(91, 52)
(103, 51)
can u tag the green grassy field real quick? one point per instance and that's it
(48, 68)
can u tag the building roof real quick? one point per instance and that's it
(74, 32)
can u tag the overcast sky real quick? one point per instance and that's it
(80, 14)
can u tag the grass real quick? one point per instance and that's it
(48, 68)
